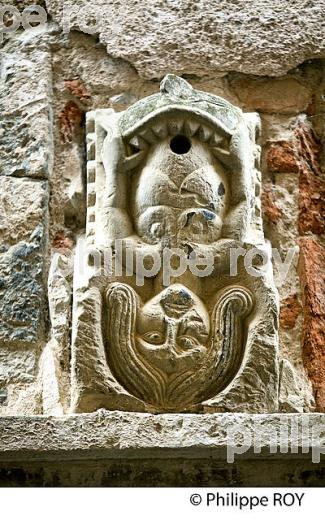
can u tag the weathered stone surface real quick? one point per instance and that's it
(26, 158)
(26, 148)
(17, 365)
(22, 321)
(295, 394)
(277, 128)
(295, 388)
(25, 151)
(281, 157)
(311, 181)
(70, 121)
(202, 38)
(22, 399)
(123, 449)
(312, 265)
(23, 206)
(270, 210)
(110, 434)
(77, 88)
(22, 276)
(78, 60)
(22, 4)
(280, 203)
(55, 359)
(290, 310)
(283, 96)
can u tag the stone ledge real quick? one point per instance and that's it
(124, 435)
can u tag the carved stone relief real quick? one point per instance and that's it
(174, 179)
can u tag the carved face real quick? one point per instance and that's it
(156, 349)
(179, 196)
(169, 351)
(173, 329)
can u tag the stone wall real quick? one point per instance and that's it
(266, 60)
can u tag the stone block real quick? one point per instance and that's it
(278, 96)
(200, 38)
(22, 259)
(26, 148)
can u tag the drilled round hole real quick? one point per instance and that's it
(180, 144)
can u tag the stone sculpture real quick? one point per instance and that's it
(173, 183)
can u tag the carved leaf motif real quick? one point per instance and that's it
(122, 354)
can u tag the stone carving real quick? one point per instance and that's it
(175, 177)
(169, 344)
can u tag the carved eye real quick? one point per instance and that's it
(187, 342)
(155, 337)
(157, 229)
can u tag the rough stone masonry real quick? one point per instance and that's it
(65, 84)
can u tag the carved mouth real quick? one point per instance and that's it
(176, 123)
